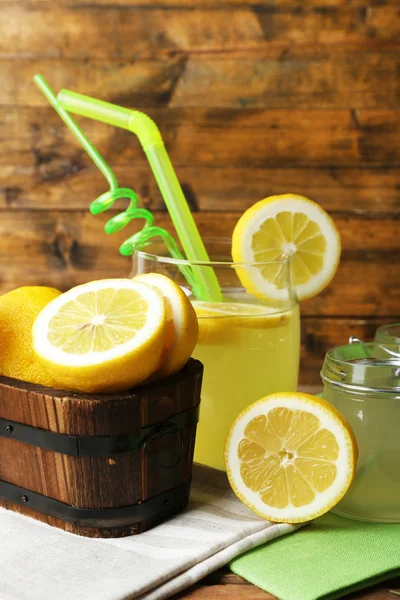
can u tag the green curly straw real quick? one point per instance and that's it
(150, 138)
(105, 201)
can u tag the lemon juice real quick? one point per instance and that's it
(375, 492)
(248, 351)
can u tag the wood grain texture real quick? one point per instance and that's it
(146, 83)
(358, 79)
(66, 182)
(281, 138)
(291, 82)
(84, 32)
(237, 591)
(195, 4)
(224, 584)
(92, 481)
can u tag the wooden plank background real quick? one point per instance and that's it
(225, 585)
(252, 98)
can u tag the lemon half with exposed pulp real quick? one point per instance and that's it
(103, 336)
(290, 457)
(286, 225)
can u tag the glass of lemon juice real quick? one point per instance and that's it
(249, 343)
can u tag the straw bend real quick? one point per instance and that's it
(145, 129)
(133, 120)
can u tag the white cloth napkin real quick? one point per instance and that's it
(39, 562)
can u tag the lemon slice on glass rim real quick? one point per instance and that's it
(292, 226)
(290, 457)
(219, 321)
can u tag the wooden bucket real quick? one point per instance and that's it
(99, 465)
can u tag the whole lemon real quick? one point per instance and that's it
(18, 310)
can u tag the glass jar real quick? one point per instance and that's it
(363, 382)
(249, 345)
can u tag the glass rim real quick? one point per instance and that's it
(337, 354)
(284, 259)
(343, 367)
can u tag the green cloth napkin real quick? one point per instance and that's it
(330, 557)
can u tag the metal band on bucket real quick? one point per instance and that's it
(169, 501)
(96, 445)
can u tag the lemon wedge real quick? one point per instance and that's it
(286, 225)
(103, 336)
(290, 457)
(182, 326)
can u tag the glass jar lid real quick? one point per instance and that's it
(363, 367)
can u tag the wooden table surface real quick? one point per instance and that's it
(223, 585)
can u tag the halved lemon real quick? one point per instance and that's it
(286, 225)
(218, 320)
(103, 336)
(182, 326)
(290, 457)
